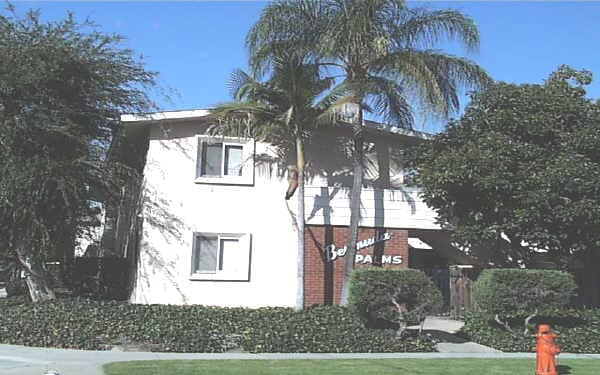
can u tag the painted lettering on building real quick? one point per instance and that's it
(385, 259)
(332, 253)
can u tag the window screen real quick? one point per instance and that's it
(206, 254)
(212, 155)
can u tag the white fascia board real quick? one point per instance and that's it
(168, 115)
(384, 128)
(409, 133)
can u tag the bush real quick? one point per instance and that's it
(87, 324)
(578, 329)
(326, 329)
(376, 292)
(518, 292)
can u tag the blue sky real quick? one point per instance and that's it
(196, 45)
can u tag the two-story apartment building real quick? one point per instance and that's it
(214, 227)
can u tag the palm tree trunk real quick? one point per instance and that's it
(358, 156)
(300, 220)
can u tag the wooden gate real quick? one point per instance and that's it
(460, 291)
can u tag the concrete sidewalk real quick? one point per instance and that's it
(20, 360)
(444, 329)
(438, 323)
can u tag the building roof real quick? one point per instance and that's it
(189, 114)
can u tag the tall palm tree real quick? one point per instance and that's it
(382, 52)
(283, 110)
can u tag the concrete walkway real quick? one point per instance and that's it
(443, 324)
(445, 329)
(20, 360)
(464, 347)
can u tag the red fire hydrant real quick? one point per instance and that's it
(547, 350)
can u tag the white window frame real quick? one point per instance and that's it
(245, 245)
(248, 150)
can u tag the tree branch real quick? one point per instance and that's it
(504, 324)
(526, 329)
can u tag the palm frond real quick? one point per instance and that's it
(245, 88)
(242, 119)
(387, 100)
(432, 76)
(283, 26)
(423, 28)
(335, 98)
(238, 83)
(381, 38)
(278, 109)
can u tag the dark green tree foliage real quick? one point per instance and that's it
(392, 297)
(519, 171)
(63, 86)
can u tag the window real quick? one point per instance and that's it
(225, 161)
(220, 256)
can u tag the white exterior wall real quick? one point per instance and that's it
(177, 206)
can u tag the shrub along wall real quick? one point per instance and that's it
(86, 324)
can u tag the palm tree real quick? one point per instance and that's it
(382, 53)
(283, 110)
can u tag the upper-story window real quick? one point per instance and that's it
(224, 160)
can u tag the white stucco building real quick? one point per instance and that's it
(214, 227)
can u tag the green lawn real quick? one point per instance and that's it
(355, 366)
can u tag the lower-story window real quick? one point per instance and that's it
(221, 256)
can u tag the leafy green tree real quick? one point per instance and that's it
(63, 86)
(519, 171)
(283, 110)
(382, 53)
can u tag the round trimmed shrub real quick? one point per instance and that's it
(375, 294)
(520, 292)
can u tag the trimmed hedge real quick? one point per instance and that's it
(373, 289)
(325, 329)
(516, 292)
(579, 331)
(87, 324)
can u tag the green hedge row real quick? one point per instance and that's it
(579, 331)
(86, 324)
(515, 292)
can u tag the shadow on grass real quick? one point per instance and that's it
(563, 370)
(442, 336)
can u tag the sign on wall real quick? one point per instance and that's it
(332, 253)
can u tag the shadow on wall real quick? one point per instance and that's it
(330, 159)
(159, 218)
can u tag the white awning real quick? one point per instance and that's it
(416, 243)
